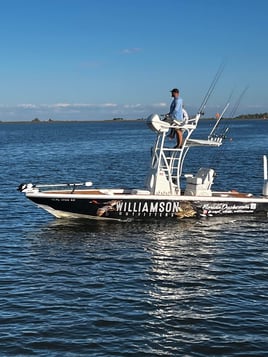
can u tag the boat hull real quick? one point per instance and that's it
(130, 208)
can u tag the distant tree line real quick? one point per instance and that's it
(37, 120)
(253, 116)
(248, 116)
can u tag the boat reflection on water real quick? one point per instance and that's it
(186, 284)
(202, 277)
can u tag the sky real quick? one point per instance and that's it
(99, 60)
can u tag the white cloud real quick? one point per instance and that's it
(61, 105)
(92, 111)
(62, 111)
(132, 106)
(129, 51)
(27, 106)
(80, 105)
(160, 105)
(108, 105)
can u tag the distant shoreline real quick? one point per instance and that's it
(106, 120)
(69, 121)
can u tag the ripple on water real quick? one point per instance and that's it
(174, 288)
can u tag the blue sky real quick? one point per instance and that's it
(90, 59)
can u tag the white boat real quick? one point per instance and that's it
(163, 195)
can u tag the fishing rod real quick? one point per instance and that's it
(210, 89)
(88, 183)
(31, 186)
(236, 105)
(220, 117)
(218, 121)
(238, 102)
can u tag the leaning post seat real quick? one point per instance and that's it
(200, 185)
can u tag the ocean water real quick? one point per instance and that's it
(161, 288)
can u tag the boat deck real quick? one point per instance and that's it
(77, 192)
(119, 192)
(232, 194)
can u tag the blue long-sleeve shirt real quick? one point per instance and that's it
(176, 109)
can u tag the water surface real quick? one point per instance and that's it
(160, 288)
